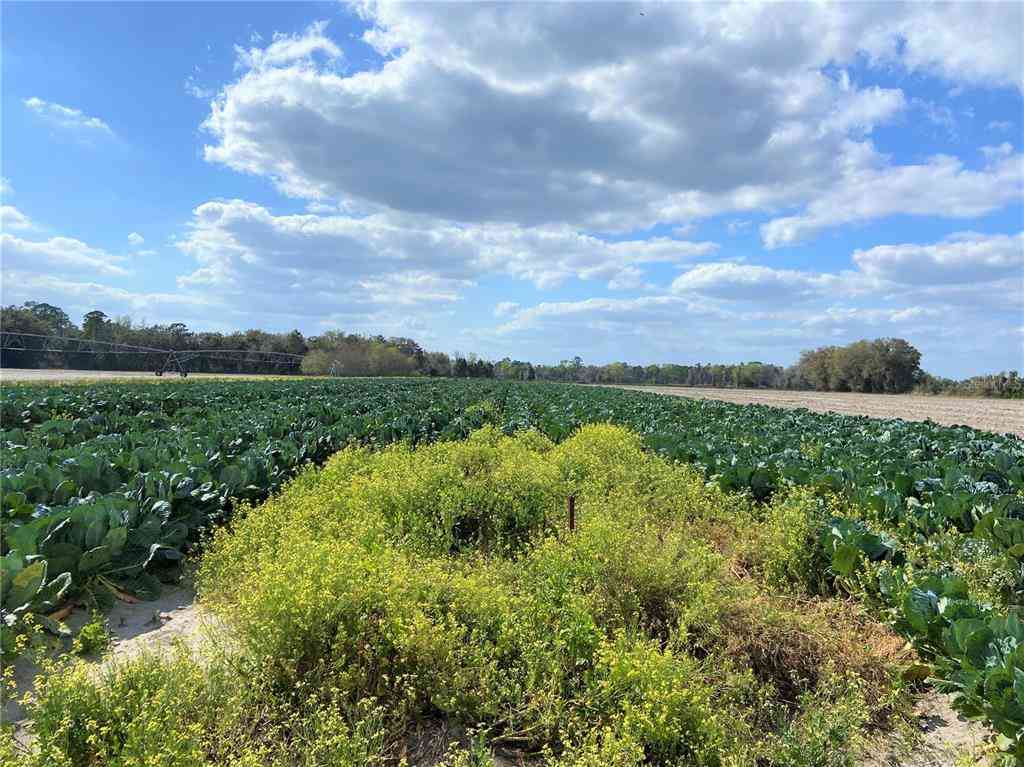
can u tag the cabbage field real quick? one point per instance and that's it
(106, 487)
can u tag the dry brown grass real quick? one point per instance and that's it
(997, 415)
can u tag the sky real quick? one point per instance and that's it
(639, 182)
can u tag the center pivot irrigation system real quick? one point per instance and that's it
(163, 360)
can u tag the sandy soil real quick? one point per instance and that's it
(943, 738)
(996, 415)
(134, 628)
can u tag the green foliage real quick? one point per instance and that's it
(983, 665)
(108, 486)
(1008, 385)
(93, 638)
(143, 711)
(885, 365)
(830, 721)
(357, 608)
(787, 552)
(847, 542)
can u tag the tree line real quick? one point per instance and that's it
(48, 320)
(884, 365)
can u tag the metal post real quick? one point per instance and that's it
(572, 513)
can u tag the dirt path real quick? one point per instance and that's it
(944, 739)
(996, 415)
(134, 628)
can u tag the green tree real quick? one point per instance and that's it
(56, 319)
(95, 325)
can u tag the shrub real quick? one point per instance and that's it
(93, 638)
(443, 583)
(785, 551)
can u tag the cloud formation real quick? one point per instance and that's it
(58, 253)
(965, 290)
(242, 248)
(67, 118)
(940, 187)
(12, 218)
(515, 114)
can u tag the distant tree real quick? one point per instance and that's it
(95, 325)
(294, 343)
(19, 319)
(57, 321)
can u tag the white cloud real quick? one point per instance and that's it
(6, 189)
(58, 253)
(68, 118)
(289, 49)
(80, 296)
(197, 91)
(411, 288)
(512, 132)
(747, 282)
(505, 308)
(135, 239)
(521, 117)
(1000, 125)
(940, 187)
(963, 258)
(930, 38)
(243, 250)
(606, 313)
(939, 115)
(12, 218)
(959, 293)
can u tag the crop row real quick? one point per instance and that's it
(104, 485)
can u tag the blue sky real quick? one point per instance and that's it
(648, 183)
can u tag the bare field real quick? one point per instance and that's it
(997, 415)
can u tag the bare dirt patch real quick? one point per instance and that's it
(134, 628)
(943, 739)
(995, 415)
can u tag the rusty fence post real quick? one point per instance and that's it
(572, 513)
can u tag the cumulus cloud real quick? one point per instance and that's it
(289, 49)
(747, 282)
(940, 187)
(68, 118)
(929, 38)
(593, 135)
(197, 91)
(78, 296)
(961, 292)
(605, 119)
(12, 218)
(242, 248)
(6, 189)
(135, 239)
(967, 257)
(505, 308)
(62, 253)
